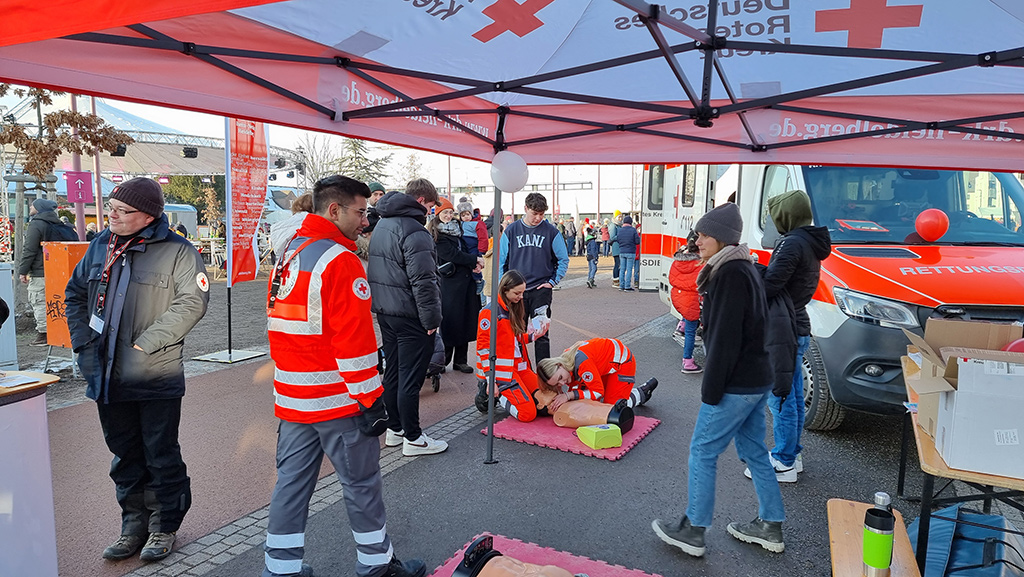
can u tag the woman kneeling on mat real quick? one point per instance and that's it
(515, 380)
(597, 369)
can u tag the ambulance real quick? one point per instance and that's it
(881, 276)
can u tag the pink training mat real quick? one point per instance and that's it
(544, 433)
(533, 553)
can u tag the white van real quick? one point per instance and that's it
(881, 276)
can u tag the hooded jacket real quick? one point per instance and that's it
(682, 276)
(402, 270)
(158, 290)
(795, 265)
(32, 253)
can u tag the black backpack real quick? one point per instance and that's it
(58, 231)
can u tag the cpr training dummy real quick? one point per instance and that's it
(514, 379)
(481, 560)
(593, 382)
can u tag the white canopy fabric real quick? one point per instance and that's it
(927, 83)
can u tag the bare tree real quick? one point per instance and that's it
(409, 170)
(213, 211)
(636, 189)
(319, 155)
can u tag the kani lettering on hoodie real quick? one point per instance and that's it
(535, 240)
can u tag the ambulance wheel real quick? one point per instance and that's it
(822, 412)
(435, 382)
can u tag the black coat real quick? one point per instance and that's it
(795, 267)
(735, 316)
(402, 269)
(781, 340)
(460, 305)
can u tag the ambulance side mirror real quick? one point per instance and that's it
(771, 234)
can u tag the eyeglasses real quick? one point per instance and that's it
(362, 212)
(118, 210)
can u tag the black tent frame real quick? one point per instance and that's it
(700, 112)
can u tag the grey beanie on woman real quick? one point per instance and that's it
(723, 223)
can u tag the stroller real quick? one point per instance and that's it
(436, 365)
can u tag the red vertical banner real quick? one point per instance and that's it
(246, 196)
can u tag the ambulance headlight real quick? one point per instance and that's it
(872, 309)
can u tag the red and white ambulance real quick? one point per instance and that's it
(881, 276)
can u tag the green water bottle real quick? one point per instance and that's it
(879, 526)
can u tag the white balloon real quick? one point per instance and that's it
(509, 171)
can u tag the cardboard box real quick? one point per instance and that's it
(979, 425)
(970, 394)
(941, 336)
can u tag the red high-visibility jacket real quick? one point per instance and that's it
(513, 362)
(320, 329)
(605, 371)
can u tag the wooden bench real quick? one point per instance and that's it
(846, 534)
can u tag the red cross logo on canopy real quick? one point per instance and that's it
(865, 20)
(510, 15)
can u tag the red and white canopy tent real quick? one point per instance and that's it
(928, 83)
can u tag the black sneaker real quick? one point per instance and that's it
(767, 534)
(481, 397)
(410, 568)
(648, 389)
(124, 547)
(39, 341)
(682, 534)
(462, 368)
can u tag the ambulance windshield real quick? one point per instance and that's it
(880, 205)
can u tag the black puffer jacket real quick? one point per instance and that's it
(781, 340)
(402, 270)
(32, 251)
(795, 267)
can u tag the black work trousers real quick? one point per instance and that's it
(534, 299)
(149, 474)
(407, 348)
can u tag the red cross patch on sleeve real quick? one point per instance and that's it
(361, 288)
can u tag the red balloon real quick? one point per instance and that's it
(1016, 346)
(931, 224)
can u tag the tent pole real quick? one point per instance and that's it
(493, 357)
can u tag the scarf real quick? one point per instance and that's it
(729, 253)
(452, 227)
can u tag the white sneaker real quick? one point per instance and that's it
(424, 445)
(799, 463)
(394, 438)
(783, 473)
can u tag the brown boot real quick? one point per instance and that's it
(40, 340)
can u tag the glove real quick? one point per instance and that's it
(373, 420)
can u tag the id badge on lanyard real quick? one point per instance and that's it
(96, 322)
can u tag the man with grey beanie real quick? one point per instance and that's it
(139, 289)
(736, 383)
(45, 226)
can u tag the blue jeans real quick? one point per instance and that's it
(788, 416)
(689, 335)
(570, 244)
(616, 267)
(591, 268)
(739, 418)
(636, 272)
(628, 262)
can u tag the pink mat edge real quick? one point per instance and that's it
(455, 559)
(649, 424)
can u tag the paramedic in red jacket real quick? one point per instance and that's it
(326, 386)
(599, 370)
(514, 379)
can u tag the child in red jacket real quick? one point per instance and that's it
(683, 278)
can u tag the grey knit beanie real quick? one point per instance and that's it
(463, 207)
(43, 205)
(723, 223)
(142, 193)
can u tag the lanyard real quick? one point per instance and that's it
(113, 253)
(275, 284)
